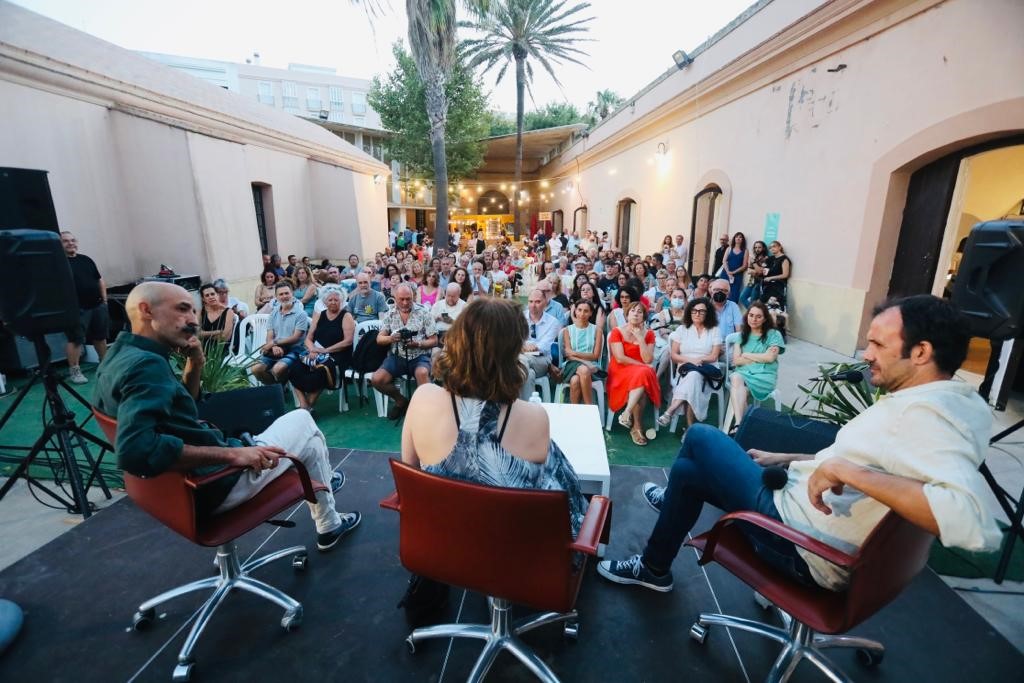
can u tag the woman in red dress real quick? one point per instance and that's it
(631, 379)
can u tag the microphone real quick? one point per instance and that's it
(774, 477)
(847, 376)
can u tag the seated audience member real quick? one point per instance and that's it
(447, 308)
(667, 321)
(293, 262)
(478, 282)
(350, 271)
(588, 291)
(623, 298)
(696, 343)
(265, 289)
(776, 276)
(158, 425)
(487, 436)
(333, 274)
(328, 343)
(755, 359)
(631, 379)
(728, 313)
(241, 309)
(700, 287)
(552, 307)
(275, 264)
(582, 344)
(915, 453)
(287, 327)
(542, 331)
(557, 293)
(461, 278)
(429, 292)
(306, 291)
(365, 303)
(778, 315)
(410, 333)
(217, 321)
(500, 284)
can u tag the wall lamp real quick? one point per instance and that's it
(681, 58)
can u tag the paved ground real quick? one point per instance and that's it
(27, 525)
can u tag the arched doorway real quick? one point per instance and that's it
(626, 217)
(558, 220)
(492, 201)
(702, 228)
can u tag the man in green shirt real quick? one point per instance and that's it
(158, 425)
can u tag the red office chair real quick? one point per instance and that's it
(513, 545)
(170, 497)
(891, 556)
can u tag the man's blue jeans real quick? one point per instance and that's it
(712, 468)
(750, 293)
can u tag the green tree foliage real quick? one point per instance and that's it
(400, 100)
(603, 104)
(513, 33)
(500, 124)
(551, 115)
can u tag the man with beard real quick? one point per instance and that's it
(158, 425)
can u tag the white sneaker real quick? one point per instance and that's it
(76, 376)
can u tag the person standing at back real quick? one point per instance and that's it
(93, 317)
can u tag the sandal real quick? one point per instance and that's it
(637, 437)
(625, 419)
(665, 419)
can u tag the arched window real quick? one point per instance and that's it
(626, 218)
(702, 229)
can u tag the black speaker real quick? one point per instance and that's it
(243, 410)
(989, 287)
(770, 430)
(44, 299)
(25, 200)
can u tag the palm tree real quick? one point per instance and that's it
(513, 32)
(432, 44)
(604, 103)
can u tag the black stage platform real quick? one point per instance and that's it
(80, 591)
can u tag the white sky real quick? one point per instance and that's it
(633, 39)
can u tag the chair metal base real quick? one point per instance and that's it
(500, 635)
(232, 575)
(799, 642)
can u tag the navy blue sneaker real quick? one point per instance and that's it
(654, 495)
(634, 572)
(349, 521)
(337, 480)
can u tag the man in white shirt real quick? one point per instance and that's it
(679, 252)
(446, 309)
(915, 452)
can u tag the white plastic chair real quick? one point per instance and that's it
(729, 417)
(252, 334)
(597, 385)
(610, 415)
(351, 375)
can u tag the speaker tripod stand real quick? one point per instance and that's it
(1014, 509)
(61, 435)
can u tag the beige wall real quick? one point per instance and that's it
(140, 193)
(815, 146)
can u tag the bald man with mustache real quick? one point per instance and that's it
(158, 424)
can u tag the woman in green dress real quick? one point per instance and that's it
(755, 359)
(581, 346)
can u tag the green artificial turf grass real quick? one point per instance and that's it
(359, 428)
(969, 565)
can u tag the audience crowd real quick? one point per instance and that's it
(643, 327)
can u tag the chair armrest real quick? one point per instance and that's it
(779, 529)
(195, 482)
(307, 484)
(593, 525)
(391, 502)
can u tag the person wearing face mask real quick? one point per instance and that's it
(158, 423)
(667, 321)
(730, 317)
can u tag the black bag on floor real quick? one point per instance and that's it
(367, 358)
(319, 374)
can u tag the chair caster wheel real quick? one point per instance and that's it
(571, 629)
(869, 658)
(292, 619)
(142, 619)
(411, 644)
(699, 633)
(182, 672)
(299, 562)
(762, 601)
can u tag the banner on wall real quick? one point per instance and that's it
(771, 227)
